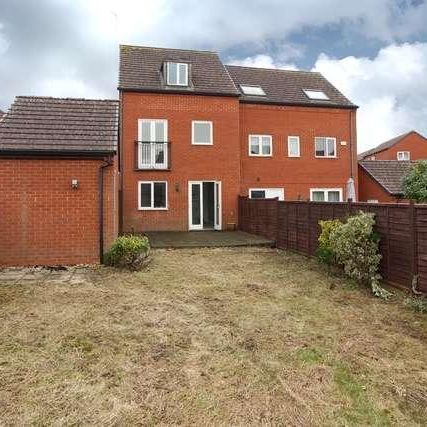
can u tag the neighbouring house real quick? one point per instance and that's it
(380, 181)
(409, 146)
(58, 180)
(195, 134)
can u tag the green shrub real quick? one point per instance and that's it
(354, 246)
(417, 303)
(324, 251)
(414, 184)
(128, 252)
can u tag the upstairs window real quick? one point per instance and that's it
(202, 133)
(252, 90)
(316, 94)
(177, 73)
(260, 145)
(325, 147)
(293, 146)
(403, 155)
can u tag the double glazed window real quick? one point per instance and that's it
(403, 155)
(293, 146)
(152, 144)
(326, 194)
(177, 74)
(201, 133)
(152, 195)
(266, 193)
(260, 145)
(325, 147)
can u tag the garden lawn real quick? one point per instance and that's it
(210, 336)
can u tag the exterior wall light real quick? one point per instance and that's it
(74, 183)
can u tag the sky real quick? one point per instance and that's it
(374, 51)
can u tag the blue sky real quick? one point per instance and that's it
(374, 51)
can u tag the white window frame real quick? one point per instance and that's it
(311, 94)
(402, 154)
(152, 208)
(210, 133)
(257, 88)
(325, 191)
(153, 163)
(372, 201)
(178, 74)
(289, 146)
(266, 189)
(326, 156)
(259, 136)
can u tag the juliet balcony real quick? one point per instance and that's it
(152, 155)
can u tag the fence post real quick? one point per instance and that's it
(350, 207)
(413, 242)
(309, 227)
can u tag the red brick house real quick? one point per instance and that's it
(381, 182)
(58, 181)
(195, 134)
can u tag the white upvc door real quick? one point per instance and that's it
(195, 205)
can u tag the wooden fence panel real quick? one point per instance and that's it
(294, 225)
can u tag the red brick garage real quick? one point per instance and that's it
(57, 166)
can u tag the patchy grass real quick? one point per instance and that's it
(211, 336)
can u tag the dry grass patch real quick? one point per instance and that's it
(210, 336)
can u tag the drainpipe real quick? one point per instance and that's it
(106, 162)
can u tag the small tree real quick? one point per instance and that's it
(415, 182)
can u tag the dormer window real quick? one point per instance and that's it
(316, 94)
(252, 90)
(177, 73)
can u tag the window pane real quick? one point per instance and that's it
(160, 130)
(146, 131)
(333, 196)
(159, 194)
(318, 196)
(145, 195)
(195, 204)
(266, 145)
(145, 156)
(320, 146)
(331, 147)
(254, 145)
(160, 154)
(202, 133)
(183, 74)
(257, 194)
(172, 70)
(293, 146)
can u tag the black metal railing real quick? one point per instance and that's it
(152, 155)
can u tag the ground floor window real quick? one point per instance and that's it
(266, 193)
(152, 195)
(326, 195)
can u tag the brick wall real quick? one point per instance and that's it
(414, 143)
(297, 175)
(219, 162)
(43, 221)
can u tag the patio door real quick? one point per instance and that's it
(204, 205)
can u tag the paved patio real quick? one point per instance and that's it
(199, 239)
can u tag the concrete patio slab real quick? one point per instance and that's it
(199, 239)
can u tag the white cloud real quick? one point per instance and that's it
(66, 87)
(261, 61)
(4, 44)
(391, 90)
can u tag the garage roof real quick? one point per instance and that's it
(37, 124)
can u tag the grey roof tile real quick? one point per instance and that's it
(141, 70)
(388, 173)
(60, 124)
(287, 87)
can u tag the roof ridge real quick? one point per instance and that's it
(65, 98)
(272, 69)
(168, 48)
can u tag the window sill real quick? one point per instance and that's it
(202, 143)
(153, 209)
(261, 155)
(326, 157)
(151, 169)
